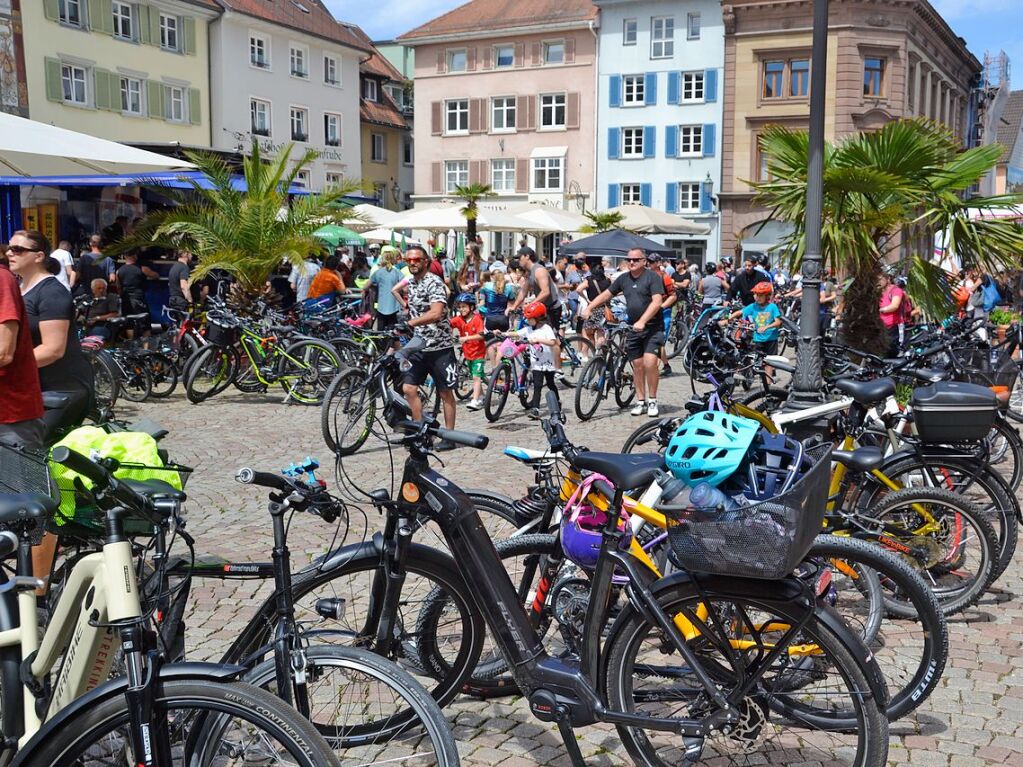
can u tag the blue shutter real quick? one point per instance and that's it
(650, 88)
(671, 197)
(616, 91)
(674, 87)
(614, 195)
(671, 141)
(708, 139)
(706, 203)
(613, 143)
(646, 194)
(710, 85)
(649, 141)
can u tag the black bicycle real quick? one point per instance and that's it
(608, 371)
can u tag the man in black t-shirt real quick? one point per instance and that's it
(132, 280)
(178, 294)
(644, 293)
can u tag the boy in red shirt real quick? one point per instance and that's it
(469, 325)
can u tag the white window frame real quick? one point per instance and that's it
(459, 107)
(125, 94)
(502, 175)
(690, 141)
(298, 116)
(334, 179)
(497, 56)
(508, 104)
(408, 151)
(256, 37)
(693, 25)
(633, 90)
(68, 81)
(302, 179)
(693, 84)
(663, 39)
(370, 90)
(167, 29)
(449, 56)
(64, 15)
(336, 82)
(548, 166)
(327, 118)
(122, 13)
(688, 192)
(632, 143)
(170, 102)
(254, 105)
(626, 24)
(456, 173)
(550, 46)
(298, 53)
(377, 147)
(552, 109)
(631, 194)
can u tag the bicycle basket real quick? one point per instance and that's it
(977, 367)
(221, 333)
(766, 540)
(26, 471)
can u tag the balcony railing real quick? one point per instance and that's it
(260, 131)
(299, 136)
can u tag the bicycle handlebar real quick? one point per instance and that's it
(267, 479)
(466, 438)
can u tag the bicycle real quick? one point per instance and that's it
(609, 370)
(509, 376)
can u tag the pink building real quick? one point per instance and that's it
(505, 94)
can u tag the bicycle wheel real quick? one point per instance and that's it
(347, 412)
(789, 717)
(224, 723)
(524, 386)
(351, 353)
(767, 400)
(678, 335)
(463, 383)
(591, 388)
(306, 368)
(368, 708)
(164, 374)
(209, 372)
(1005, 450)
(136, 383)
(106, 380)
(500, 383)
(625, 383)
(642, 440)
(576, 351)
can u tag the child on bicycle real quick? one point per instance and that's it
(542, 339)
(765, 316)
(469, 324)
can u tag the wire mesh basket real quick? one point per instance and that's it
(26, 471)
(977, 367)
(766, 540)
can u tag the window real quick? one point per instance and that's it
(407, 155)
(690, 140)
(299, 124)
(168, 32)
(330, 71)
(331, 129)
(458, 60)
(502, 114)
(457, 116)
(774, 71)
(631, 194)
(688, 197)
(122, 21)
(633, 90)
(174, 103)
(299, 61)
(302, 178)
(378, 148)
(693, 26)
(629, 27)
(547, 174)
(131, 96)
(799, 77)
(692, 86)
(911, 85)
(370, 91)
(662, 37)
(259, 111)
(456, 173)
(632, 142)
(72, 80)
(873, 77)
(335, 179)
(504, 56)
(763, 174)
(259, 51)
(554, 53)
(552, 110)
(502, 175)
(70, 12)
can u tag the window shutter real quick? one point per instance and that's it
(534, 54)
(570, 50)
(615, 91)
(154, 26)
(708, 139)
(646, 194)
(101, 89)
(671, 141)
(188, 36)
(51, 9)
(650, 89)
(101, 16)
(613, 143)
(710, 86)
(650, 141)
(522, 175)
(436, 169)
(470, 60)
(572, 110)
(54, 89)
(145, 31)
(671, 197)
(155, 96)
(706, 203)
(614, 195)
(436, 126)
(475, 172)
(474, 115)
(520, 54)
(442, 61)
(674, 87)
(488, 58)
(194, 106)
(531, 112)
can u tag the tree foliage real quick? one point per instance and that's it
(471, 195)
(602, 221)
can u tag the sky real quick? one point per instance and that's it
(987, 25)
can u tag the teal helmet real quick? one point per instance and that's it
(709, 447)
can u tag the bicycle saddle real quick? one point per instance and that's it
(626, 471)
(155, 488)
(54, 400)
(861, 459)
(26, 506)
(529, 456)
(866, 392)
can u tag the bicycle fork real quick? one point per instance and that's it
(388, 581)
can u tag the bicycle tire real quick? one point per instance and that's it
(767, 400)
(572, 359)
(1006, 458)
(524, 386)
(463, 381)
(164, 373)
(136, 384)
(632, 442)
(397, 728)
(678, 336)
(498, 386)
(247, 381)
(106, 380)
(625, 383)
(351, 353)
(590, 388)
(210, 372)
(305, 370)
(347, 412)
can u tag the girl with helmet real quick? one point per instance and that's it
(469, 325)
(542, 339)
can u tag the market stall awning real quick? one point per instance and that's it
(617, 242)
(647, 220)
(187, 179)
(449, 218)
(335, 235)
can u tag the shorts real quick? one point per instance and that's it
(386, 321)
(766, 347)
(496, 322)
(649, 341)
(554, 317)
(476, 368)
(439, 364)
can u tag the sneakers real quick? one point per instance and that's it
(639, 408)
(475, 404)
(651, 408)
(667, 371)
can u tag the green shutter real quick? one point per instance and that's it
(155, 96)
(194, 106)
(101, 16)
(104, 95)
(52, 9)
(54, 89)
(154, 26)
(188, 39)
(145, 32)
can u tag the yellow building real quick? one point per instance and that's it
(126, 71)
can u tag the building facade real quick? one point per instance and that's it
(13, 92)
(659, 112)
(886, 60)
(129, 72)
(286, 73)
(403, 59)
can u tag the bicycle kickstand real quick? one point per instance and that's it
(568, 736)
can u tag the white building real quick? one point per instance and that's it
(283, 72)
(659, 112)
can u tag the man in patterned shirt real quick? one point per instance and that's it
(426, 300)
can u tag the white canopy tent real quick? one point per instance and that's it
(447, 218)
(385, 236)
(546, 218)
(369, 217)
(644, 220)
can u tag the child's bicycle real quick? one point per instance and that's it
(510, 375)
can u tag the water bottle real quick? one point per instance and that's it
(706, 496)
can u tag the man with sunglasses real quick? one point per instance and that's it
(644, 295)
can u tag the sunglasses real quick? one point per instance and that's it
(635, 260)
(414, 260)
(18, 250)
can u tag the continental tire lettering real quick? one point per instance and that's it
(273, 717)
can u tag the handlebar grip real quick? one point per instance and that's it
(81, 464)
(466, 438)
(553, 403)
(264, 479)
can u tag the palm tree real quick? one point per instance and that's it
(248, 234)
(911, 173)
(472, 194)
(602, 222)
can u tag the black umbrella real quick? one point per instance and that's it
(616, 242)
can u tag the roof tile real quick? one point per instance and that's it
(376, 64)
(309, 16)
(1009, 125)
(484, 16)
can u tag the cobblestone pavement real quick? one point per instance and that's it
(973, 718)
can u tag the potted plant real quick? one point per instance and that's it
(1002, 318)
